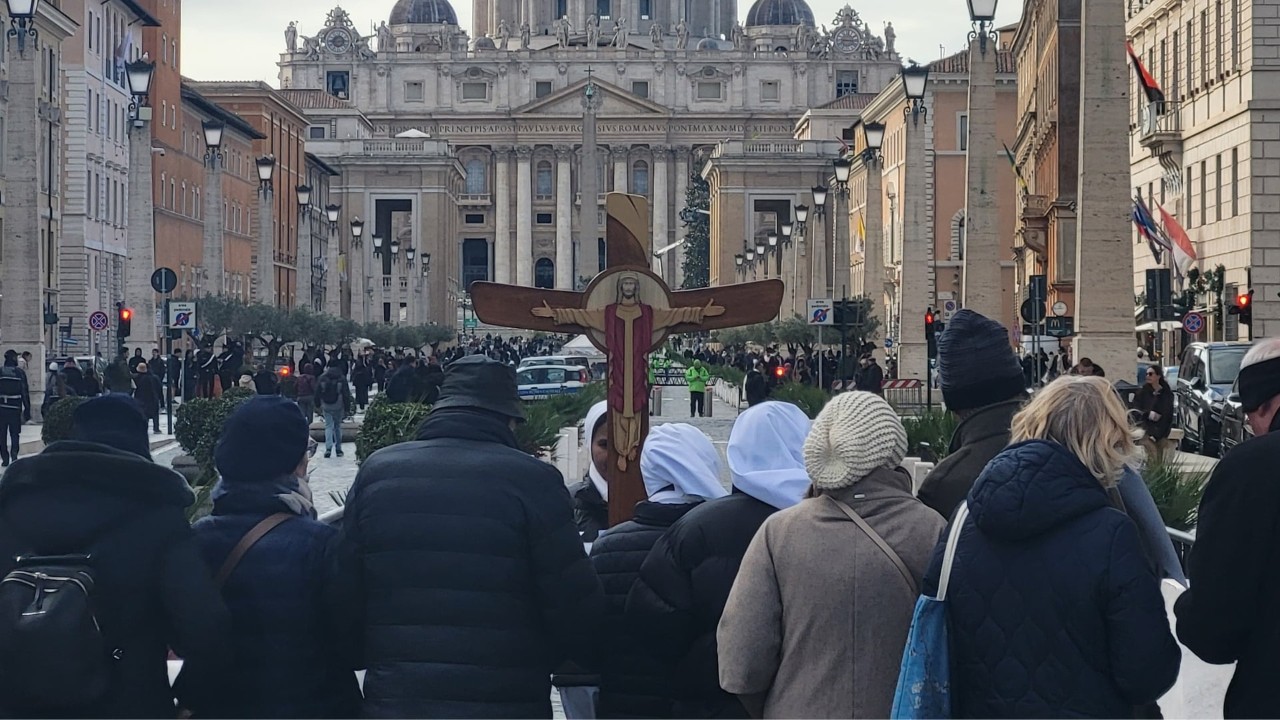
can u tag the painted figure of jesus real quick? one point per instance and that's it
(630, 327)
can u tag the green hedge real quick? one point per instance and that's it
(57, 421)
(386, 424)
(934, 427)
(806, 397)
(198, 425)
(1177, 492)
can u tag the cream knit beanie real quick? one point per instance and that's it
(856, 433)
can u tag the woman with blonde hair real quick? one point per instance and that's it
(1054, 610)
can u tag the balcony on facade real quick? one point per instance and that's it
(1035, 223)
(1160, 128)
(475, 200)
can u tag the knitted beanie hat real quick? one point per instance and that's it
(977, 364)
(856, 433)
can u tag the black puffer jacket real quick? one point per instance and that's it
(1054, 610)
(461, 559)
(152, 591)
(590, 511)
(631, 678)
(683, 586)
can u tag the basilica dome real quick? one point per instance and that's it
(426, 12)
(776, 13)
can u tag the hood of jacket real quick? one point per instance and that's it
(1031, 488)
(467, 424)
(985, 423)
(86, 486)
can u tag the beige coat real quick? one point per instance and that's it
(818, 616)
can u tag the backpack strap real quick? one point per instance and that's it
(880, 542)
(251, 538)
(949, 554)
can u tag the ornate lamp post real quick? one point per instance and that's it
(214, 219)
(305, 294)
(980, 243)
(139, 295)
(873, 243)
(357, 240)
(22, 22)
(983, 14)
(915, 295)
(266, 242)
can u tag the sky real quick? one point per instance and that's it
(220, 42)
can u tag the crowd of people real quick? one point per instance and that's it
(465, 574)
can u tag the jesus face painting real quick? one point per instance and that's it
(628, 290)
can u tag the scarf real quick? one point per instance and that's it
(766, 453)
(595, 416)
(287, 493)
(680, 465)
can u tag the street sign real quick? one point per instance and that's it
(69, 341)
(1038, 287)
(470, 323)
(1060, 327)
(1193, 323)
(1059, 308)
(164, 280)
(949, 308)
(1033, 311)
(820, 311)
(98, 320)
(182, 315)
(888, 343)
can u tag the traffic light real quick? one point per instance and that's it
(124, 321)
(284, 371)
(931, 332)
(1243, 308)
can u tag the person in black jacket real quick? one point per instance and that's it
(265, 382)
(292, 659)
(459, 555)
(1228, 615)
(755, 386)
(681, 468)
(1054, 610)
(1154, 404)
(361, 380)
(148, 392)
(100, 494)
(15, 407)
(676, 603)
(591, 495)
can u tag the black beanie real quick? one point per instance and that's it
(116, 420)
(263, 439)
(977, 365)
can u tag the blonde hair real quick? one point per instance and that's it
(1084, 415)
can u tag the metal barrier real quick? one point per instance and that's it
(1182, 543)
(907, 397)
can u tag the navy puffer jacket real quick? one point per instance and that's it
(1054, 610)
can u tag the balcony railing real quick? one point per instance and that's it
(475, 199)
(1034, 206)
(1160, 128)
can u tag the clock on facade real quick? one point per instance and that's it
(846, 40)
(338, 41)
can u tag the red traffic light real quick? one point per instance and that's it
(126, 314)
(284, 371)
(928, 318)
(1243, 299)
(780, 371)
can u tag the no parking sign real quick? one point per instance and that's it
(1193, 323)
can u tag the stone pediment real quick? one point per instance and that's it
(615, 102)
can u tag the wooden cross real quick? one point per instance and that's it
(627, 311)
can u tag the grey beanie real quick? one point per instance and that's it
(977, 365)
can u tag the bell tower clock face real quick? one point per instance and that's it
(338, 41)
(846, 40)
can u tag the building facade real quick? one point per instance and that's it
(1210, 153)
(505, 112)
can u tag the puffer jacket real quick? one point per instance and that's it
(293, 657)
(459, 555)
(1054, 610)
(590, 511)
(630, 677)
(676, 603)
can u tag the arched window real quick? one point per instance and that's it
(544, 273)
(640, 178)
(545, 179)
(477, 182)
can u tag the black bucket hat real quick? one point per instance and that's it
(476, 381)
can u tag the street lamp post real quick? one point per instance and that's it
(916, 295)
(141, 245)
(303, 296)
(357, 240)
(819, 193)
(214, 218)
(22, 22)
(981, 290)
(266, 238)
(333, 271)
(840, 267)
(873, 243)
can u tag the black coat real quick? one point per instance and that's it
(1157, 401)
(590, 511)
(631, 678)
(292, 660)
(1053, 608)
(1229, 613)
(152, 592)
(680, 595)
(149, 393)
(978, 438)
(460, 556)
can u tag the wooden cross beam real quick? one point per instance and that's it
(627, 311)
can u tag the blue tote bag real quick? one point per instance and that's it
(924, 680)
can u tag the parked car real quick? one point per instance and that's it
(544, 381)
(1234, 429)
(1203, 382)
(574, 360)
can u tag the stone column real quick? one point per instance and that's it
(524, 216)
(215, 234)
(682, 191)
(916, 253)
(141, 254)
(840, 248)
(502, 215)
(661, 204)
(873, 250)
(1104, 253)
(564, 218)
(982, 275)
(619, 153)
(302, 292)
(333, 278)
(22, 311)
(265, 290)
